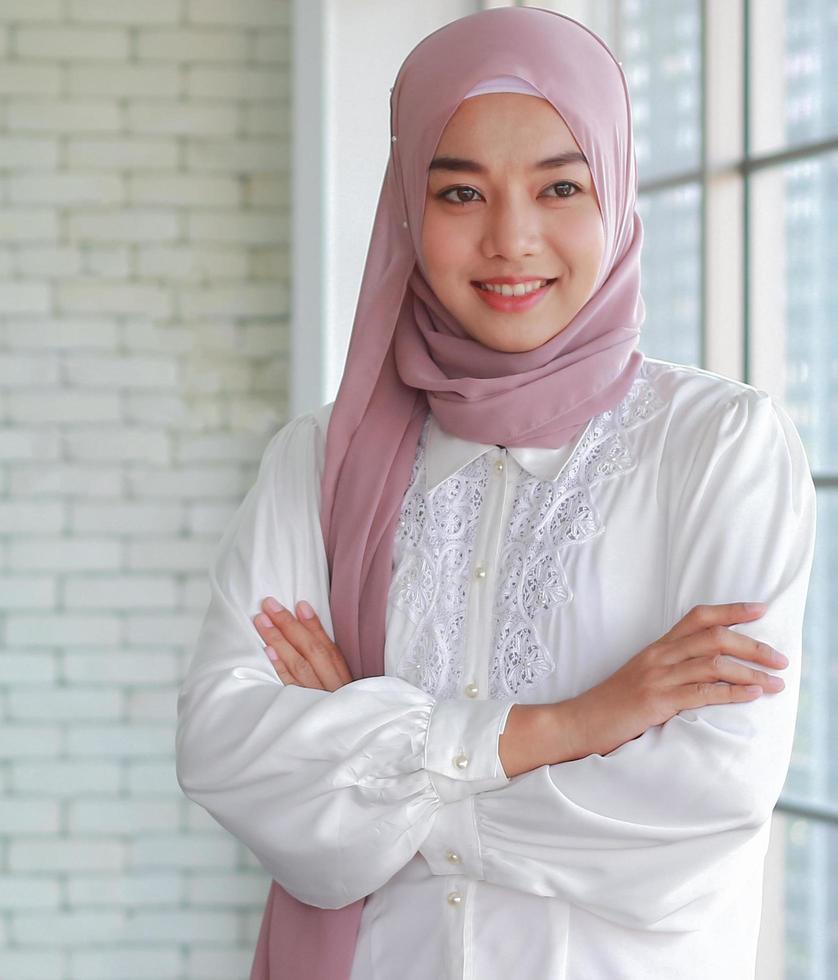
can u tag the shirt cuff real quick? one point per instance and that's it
(461, 747)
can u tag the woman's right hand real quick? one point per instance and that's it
(685, 668)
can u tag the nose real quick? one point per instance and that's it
(512, 230)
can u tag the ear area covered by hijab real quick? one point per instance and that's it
(408, 355)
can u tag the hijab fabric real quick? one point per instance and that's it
(408, 355)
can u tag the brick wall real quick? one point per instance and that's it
(144, 285)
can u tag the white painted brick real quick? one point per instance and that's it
(236, 83)
(25, 297)
(28, 370)
(29, 152)
(272, 46)
(183, 851)
(49, 261)
(34, 964)
(42, 444)
(125, 11)
(249, 299)
(120, 592)
(244, 888)
(128, 816)
(20, 517)
(27, 668)
(63, 116)
(184, 118)
(254, 13)
(68, 928)
(176, 925)
(135, 666)
(196, 592)
(24, 79)
(188, 483)
(27, 224)
(199, 414)
(220, 446)
(29, 815)
(64, 406)
(169, 554)
(128, 445)
(65, 704)
(122, 225)
(269, 262)
(115, 298)
(56, 554)
(106, 371)
(24, 10)
(132, 518)
(183, 190)
(66, 188)
(207, 519)
(121, 154)
(26, 479)
(214, 375)
(165, 630)
(152, 779)
(120, 741)
(66, 43)
(27, 591)
(235, 156)
(193, 44)
(256, 228)
(128, 890)
(140, 335)
(62, 630)
(29, 741)
(65, 854)
(151, 705)
(213, 962)
(190, 262)
(266, 119)
(66, 333)
(66, 779)
(260, 339)
(129, 80)
(139, 962)
(109, 261)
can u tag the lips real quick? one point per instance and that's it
(512, 304)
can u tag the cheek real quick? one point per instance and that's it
(442, 246)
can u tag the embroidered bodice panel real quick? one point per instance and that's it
(434, 552)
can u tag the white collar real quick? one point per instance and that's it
(445, 454)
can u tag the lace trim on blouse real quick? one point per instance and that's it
(434, 547)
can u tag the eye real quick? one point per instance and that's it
(443, 195)
(566, 183)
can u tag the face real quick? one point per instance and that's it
(492, 214)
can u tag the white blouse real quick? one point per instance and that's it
(519, 575)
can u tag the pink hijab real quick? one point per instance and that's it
(407, 356)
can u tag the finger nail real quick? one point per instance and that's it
(272, 605)
(271, 653)
(263, 621)
(304, 609)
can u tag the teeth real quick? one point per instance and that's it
(519, 289)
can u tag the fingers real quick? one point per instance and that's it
(305, 651)
(705, 615)
(720, 639)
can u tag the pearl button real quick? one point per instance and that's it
(499, 466)
(472, 690)
(393, 139)
(460, 761)
(480, 571)
(454, 898)
(453, 857)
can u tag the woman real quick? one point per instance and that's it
(519, 735)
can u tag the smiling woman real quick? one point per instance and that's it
(527, 732)
(515, 253)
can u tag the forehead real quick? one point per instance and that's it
(506, 117)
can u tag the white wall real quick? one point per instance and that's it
(144, 295)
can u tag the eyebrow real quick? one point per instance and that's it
(471, 166)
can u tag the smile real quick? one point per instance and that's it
(516, 298)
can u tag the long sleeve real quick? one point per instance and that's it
(645, 835)
(332, 791)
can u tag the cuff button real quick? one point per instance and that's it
(460, 761)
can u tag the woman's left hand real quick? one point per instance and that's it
(305, 653)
